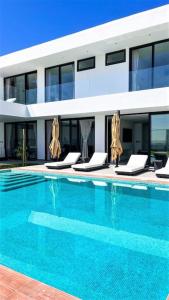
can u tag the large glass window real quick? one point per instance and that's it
(141, 68)
(134, 135)
(22, 87)
(14, 139)
(31, 88)
(52, 84)
(159, 135)
(70, 137)
(150, 66)
(67, 82)
(161, 64)
(60, 82)
(9, 88)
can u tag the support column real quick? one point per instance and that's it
(1, 88)
(40, 139)
(40, 85)
(100, 133)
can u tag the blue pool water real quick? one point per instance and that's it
(94, 239)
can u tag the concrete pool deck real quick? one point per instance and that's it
(108, 173)
(16, 286)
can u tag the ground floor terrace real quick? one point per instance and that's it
(141, 133)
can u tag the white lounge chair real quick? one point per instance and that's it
(96, 162)
(135, 165)
(69, 160)
(163, 172)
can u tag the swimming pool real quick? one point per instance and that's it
(95, 239)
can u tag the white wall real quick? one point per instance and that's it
(1, 88)
(40, 85)
(2, 144)
(40, 139)
(100, 133)
(103, 79)
(130, 102)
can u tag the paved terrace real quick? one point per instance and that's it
(109, 172)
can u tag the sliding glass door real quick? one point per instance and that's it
(59, 82)
(149, 66)
(134, 134)
(14, 139)
(160, 136)
(22, 87)
(70, 137)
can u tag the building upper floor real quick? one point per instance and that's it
(125, 55)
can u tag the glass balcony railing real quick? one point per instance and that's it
(97, 85)
(149, 78)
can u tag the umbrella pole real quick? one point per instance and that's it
(117, 161)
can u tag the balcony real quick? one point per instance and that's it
(149, 78)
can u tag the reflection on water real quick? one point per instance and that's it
(93, 239)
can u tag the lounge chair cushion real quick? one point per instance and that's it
(86, 166)
(136, 163)
(163, 171)
(69, 160)
(98, 160)
(58, 163)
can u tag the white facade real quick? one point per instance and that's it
(98, 92)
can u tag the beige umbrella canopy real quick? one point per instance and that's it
(116, 147)
(54, 147)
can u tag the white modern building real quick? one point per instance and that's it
(84, 78)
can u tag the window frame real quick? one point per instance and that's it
(25, 124)
(70, 132)
(59, 70)
(152, 44)
(85, 59)
(117, 62)
(25, 80)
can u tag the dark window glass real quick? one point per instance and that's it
(161, 64)
(115, 57)
(160, 134)
(70, 137)
(142, 68)
(65, 137)
(32, 140)
(52, 84)
(14, 139)
(15, 88)
(20, 89)
(86, 64)
(150, 66)
(48, 138)
(10, 140)
(67, 81)
(74, 136)
(9, 88)
(31, 88)
(60, 82)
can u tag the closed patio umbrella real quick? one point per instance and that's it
(116, 147)
(54, 147)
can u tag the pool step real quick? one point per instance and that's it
(15, 179)
(21, 180)
(11, 181)
(14, 175)
(22, 184)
